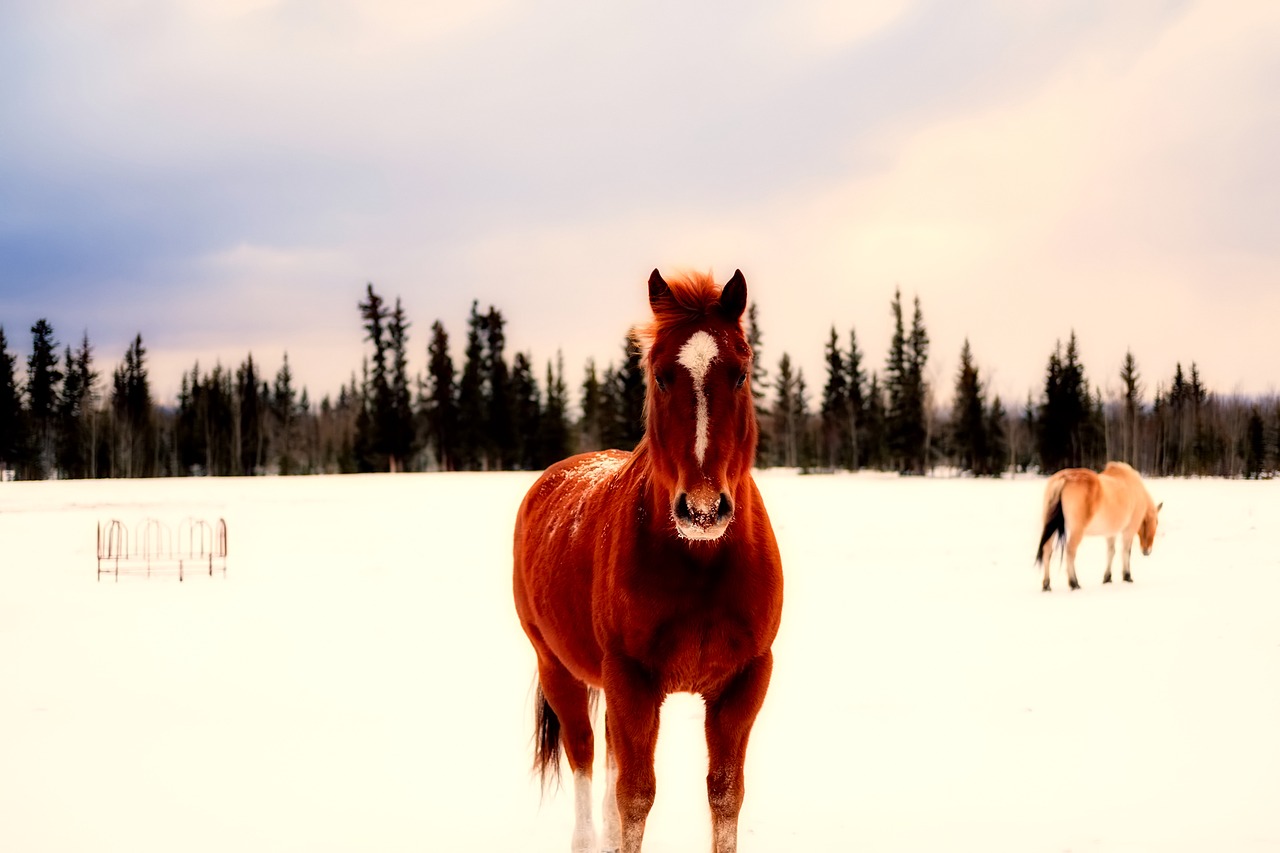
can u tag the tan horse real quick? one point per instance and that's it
(1080, 503)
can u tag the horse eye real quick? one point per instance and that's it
(742, 380)
(660, 382)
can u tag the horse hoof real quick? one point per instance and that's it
(1107, 579)
(1045, 587)
(1128, 579)
(1075, 585)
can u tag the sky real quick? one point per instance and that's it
(225, 178)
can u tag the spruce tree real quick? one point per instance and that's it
(895, 388)
(251, 450)
(135, 434)
(473, 403)
(554, 434)
(374, 429)
(855, 380)
(442, 405)
(835, 406)
(969, 417)
(13, 433)
(500, 436)
(915, 404)
(997, 439)
(629, 380)
(1132, 385)
(759, 385)
(875, 430)
(590, 427)
(399, 426)
(76, 412)
(43, 388)
(526, 414)
(784, 416)
(908, 435)
(806, 438)
(284, 412)
(1255, 445)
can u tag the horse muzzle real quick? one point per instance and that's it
(702, 514)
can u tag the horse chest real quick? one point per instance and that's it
(693, 645)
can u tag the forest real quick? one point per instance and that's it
(61, 418)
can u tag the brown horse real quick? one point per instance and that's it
(1080, 503)
(656, 572)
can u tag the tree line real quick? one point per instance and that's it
(501, 411)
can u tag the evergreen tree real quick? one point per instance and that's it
(500, 437)
(612, 434)
(629, 396)
(13, 432)
(591, 427)
(759, 384)
(252, 407)
(1069, 433)
(442, 406)
(554, 434)
(786, 428)
(399, 427)
(1255, 449)
(472, 401)
(374, 428)
(526, 414)
(284, 412)
(908, 435)
(997, 439)
(189, 432)
(855, 380)
(1132, 384)
(43, 389)
(875, 429)
(76, 413)
(807, 438)
(835, 407)
(136, 447)
(915, 404)
(969, 417)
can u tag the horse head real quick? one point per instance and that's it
(1147, 530)
(700, 423)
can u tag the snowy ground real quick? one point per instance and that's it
(358, 682)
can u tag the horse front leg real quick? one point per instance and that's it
(730, 715)
(1111, 553)
(633, 701)
(612, 840)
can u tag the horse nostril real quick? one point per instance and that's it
(682, 508)
(725, 509)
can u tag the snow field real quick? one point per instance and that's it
(358, 680)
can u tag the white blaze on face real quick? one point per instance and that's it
(696, 356)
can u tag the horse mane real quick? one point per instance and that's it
(693, 297)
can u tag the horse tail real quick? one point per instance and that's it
(546, 740)
(1055, 522)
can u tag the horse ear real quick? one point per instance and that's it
(658, 289)
(733, 298)
(1159, 506)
